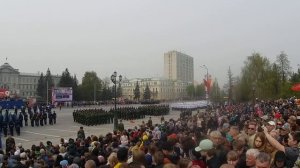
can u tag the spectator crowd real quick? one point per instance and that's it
(261, 135)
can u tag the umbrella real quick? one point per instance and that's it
(296, 87)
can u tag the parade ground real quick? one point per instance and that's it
(66, 128)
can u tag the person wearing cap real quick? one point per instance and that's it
(64, 163)
(291, 151)
(284, 133)
(271, 125)
(207, 150)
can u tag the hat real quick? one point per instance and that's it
(226, 125)
(280, 156)
(286, 127)
(63, 163)
(205, 144)
(265, 117)
(23, 155)
(271, 123)
(19, 145)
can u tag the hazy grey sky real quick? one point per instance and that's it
(131, 36)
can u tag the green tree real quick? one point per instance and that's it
(40, 87)
(91, 84)
(147, 93)
(106, 93)
(230, 85)
(48, 85)
(136, 91)
(200, 90)
(284, 66)
(119, 91)
(76, 95)
(190, 89)
(254, 77)
(215, 94)
(66, 80)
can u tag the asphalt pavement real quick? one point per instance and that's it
(66, 128)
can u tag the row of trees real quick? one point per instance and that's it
(265, 80)
(259, 78)
(92, 88)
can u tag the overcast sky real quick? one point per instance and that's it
(131, 36)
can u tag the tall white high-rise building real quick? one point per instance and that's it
(179, 66)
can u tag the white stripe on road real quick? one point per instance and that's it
(41, 134)
(61, 130)
(21, 139)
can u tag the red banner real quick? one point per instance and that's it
(4, 93)
(296, 87)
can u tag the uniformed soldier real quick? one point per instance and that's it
(149, 124)
(45, 118)
(54, 117)
(11, 125)
(37, 119)
(17, 125)
(121, 126)
(20, 118)
(25, 118)
(50, 118)
(5, 123)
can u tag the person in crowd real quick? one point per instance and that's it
(251, 156)
(81, 134)
(251, 133)
(279, 160)
(259, 141)
(232, 158)
(263, 160)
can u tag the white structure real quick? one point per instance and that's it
(21, 84)
(179, 66)
(161, 89)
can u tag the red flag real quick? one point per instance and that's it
(296, 87)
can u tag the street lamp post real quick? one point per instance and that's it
(114, 80)
(206, 90)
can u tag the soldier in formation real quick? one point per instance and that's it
(91, 117)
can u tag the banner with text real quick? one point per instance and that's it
(62, 94)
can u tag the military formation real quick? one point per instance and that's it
(92, 117)
(13, 120)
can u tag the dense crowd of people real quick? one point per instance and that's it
(262, 135)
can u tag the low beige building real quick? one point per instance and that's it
(161, 88)
(19, 83)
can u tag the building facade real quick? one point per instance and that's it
(179, 66)
(21, 84)
(161, 88)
